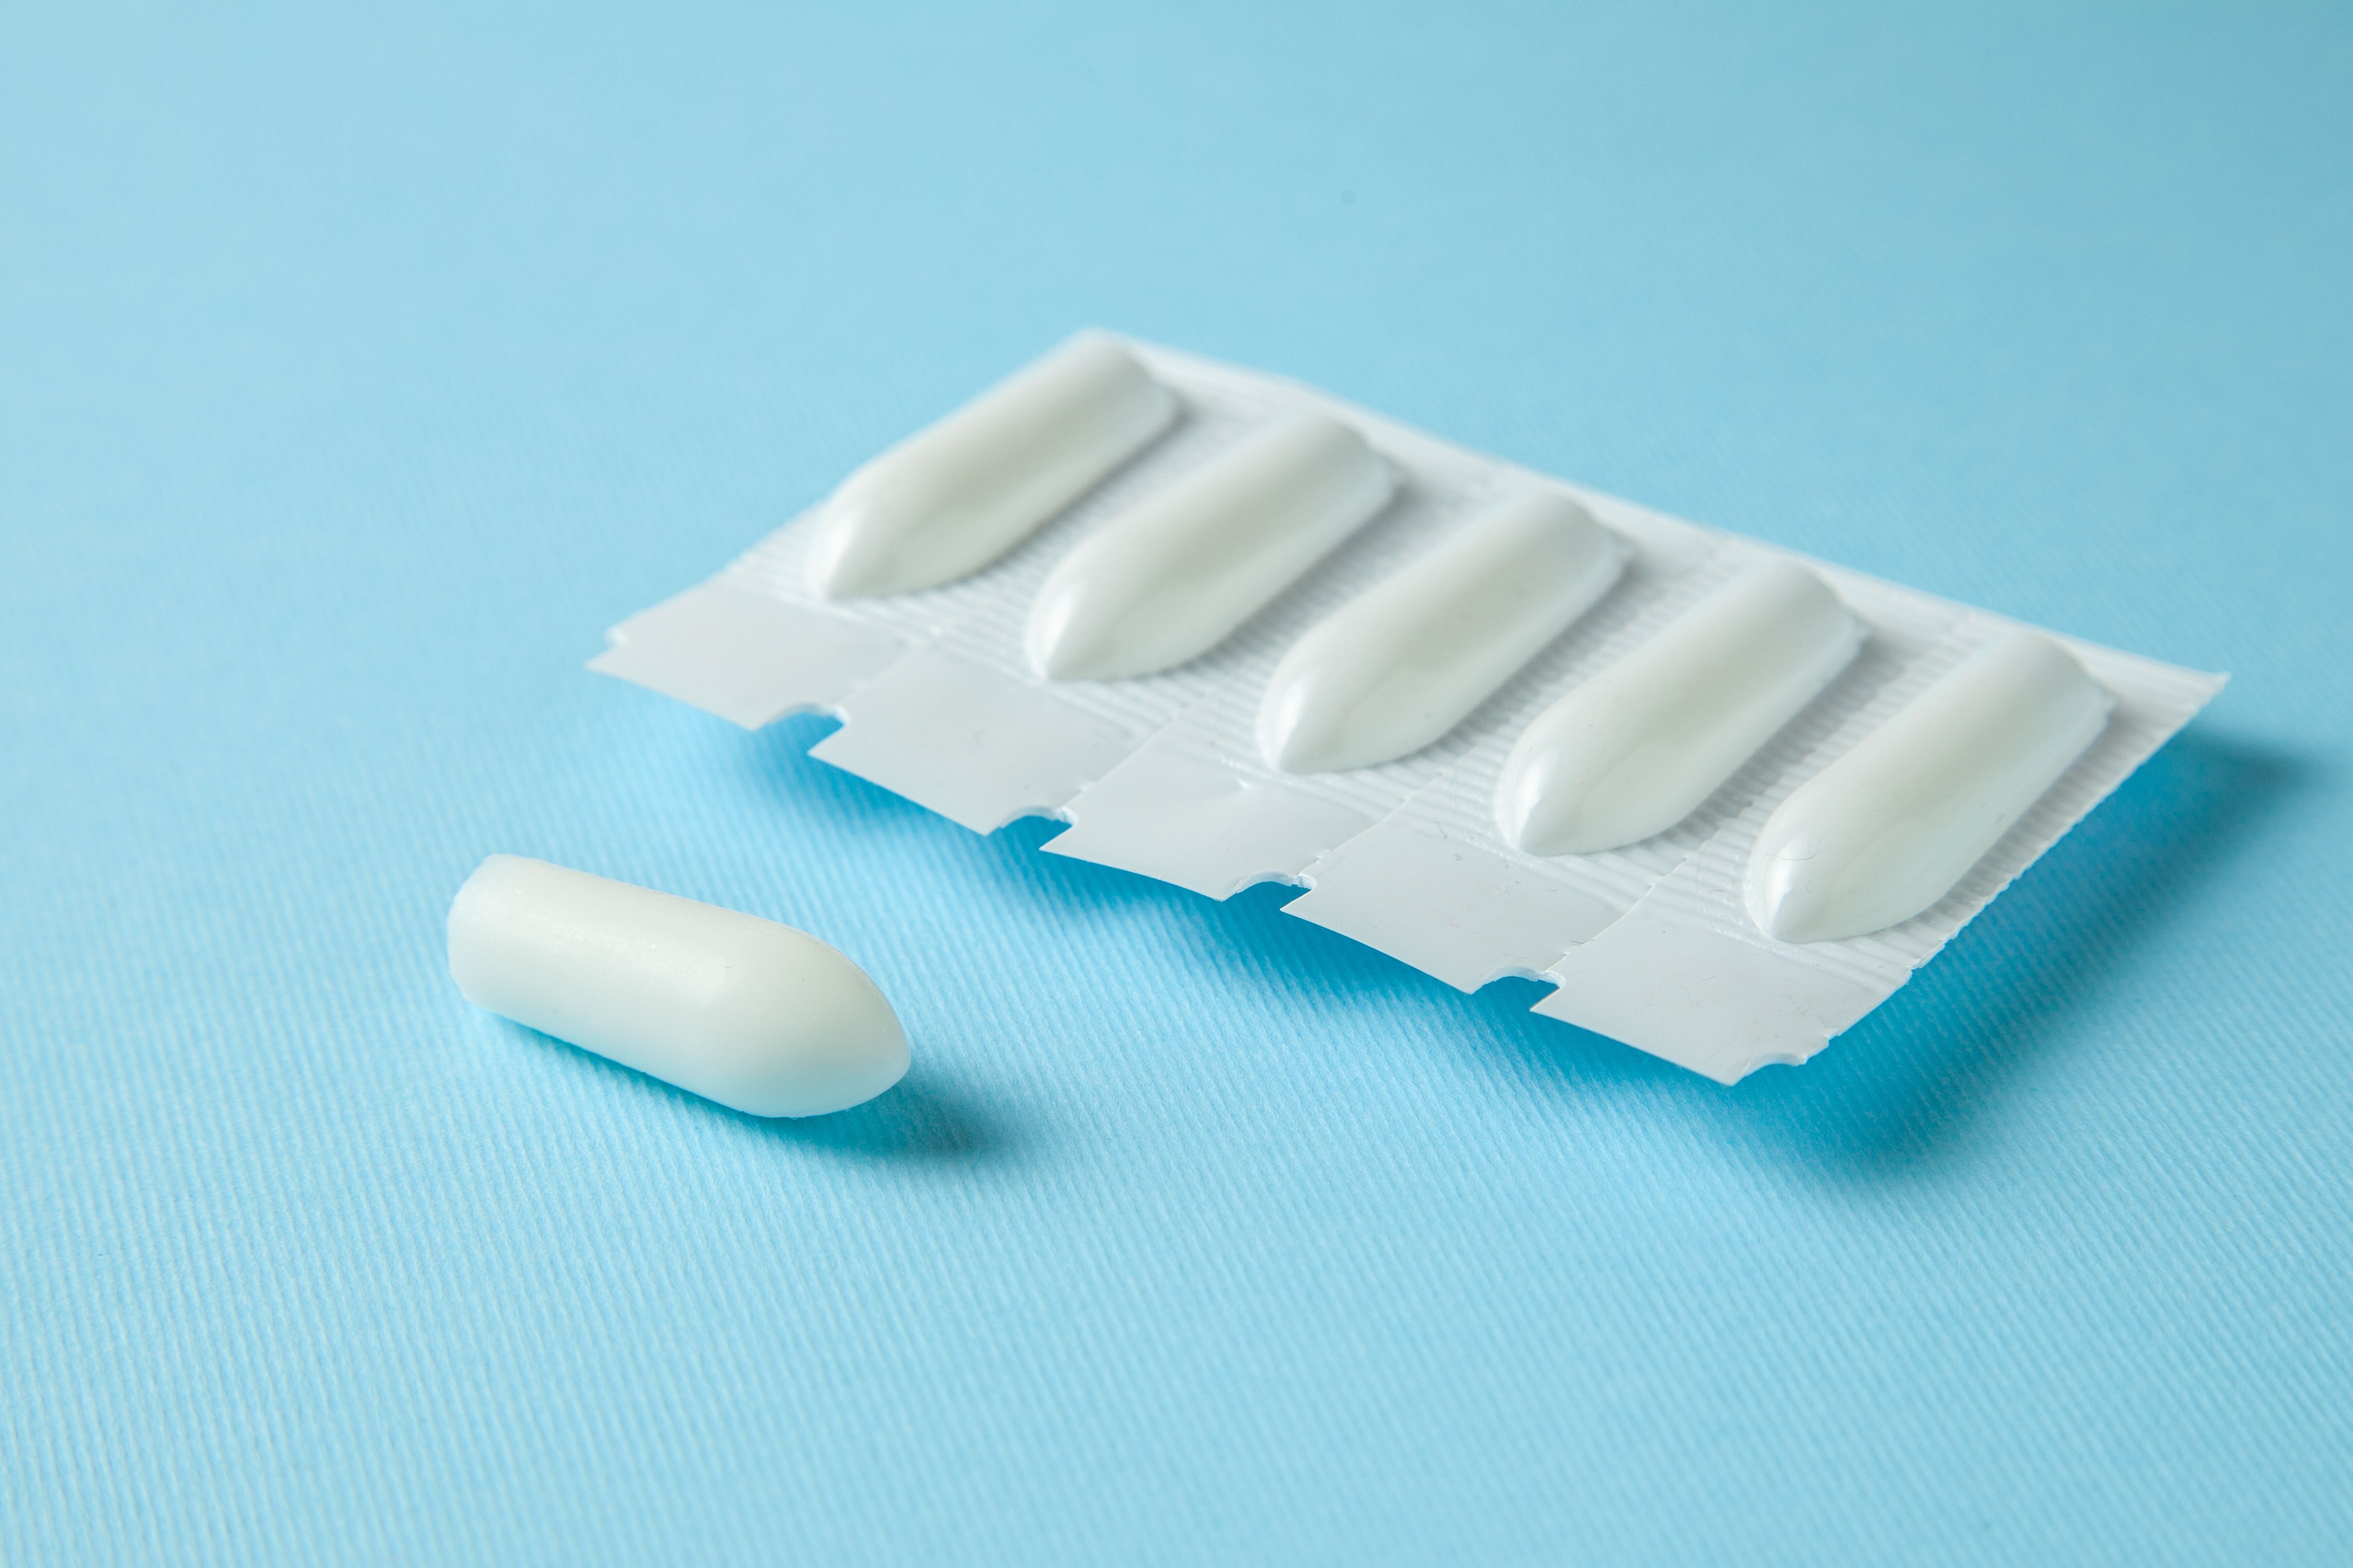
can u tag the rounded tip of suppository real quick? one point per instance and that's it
(1515, 816)
(855, 553)
(1069, 638)
(1294, 751)
(1299, 735)
(1296, 747)
(1786, 897)
(1536, 825)
(840, 1054)
(1056, 650)
(1540, 812)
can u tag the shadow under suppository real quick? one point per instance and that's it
(2036, 970)
(923, 1117)
(2026, 975)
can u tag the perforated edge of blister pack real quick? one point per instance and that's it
(1160, 774)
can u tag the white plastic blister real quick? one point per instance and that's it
(1233, 630)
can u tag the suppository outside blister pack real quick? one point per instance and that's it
(1234, 630)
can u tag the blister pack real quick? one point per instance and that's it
(1233, 630)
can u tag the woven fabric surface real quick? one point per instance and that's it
(358, 368)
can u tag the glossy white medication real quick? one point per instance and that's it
(1170, 579)
(1886, 830)
(1636, 749)
(744, 1011)
(1361, 733)
(1402, 665)
(950, 498)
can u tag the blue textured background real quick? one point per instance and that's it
(355, 374)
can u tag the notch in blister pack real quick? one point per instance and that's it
(1233, 630)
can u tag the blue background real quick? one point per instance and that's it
(356, 372)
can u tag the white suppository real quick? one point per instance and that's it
(1402, 665)
(1631, 753)
(755, 1015)
(1170, 580)
(950, 500)
(1724, 799)
(1886, 830)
